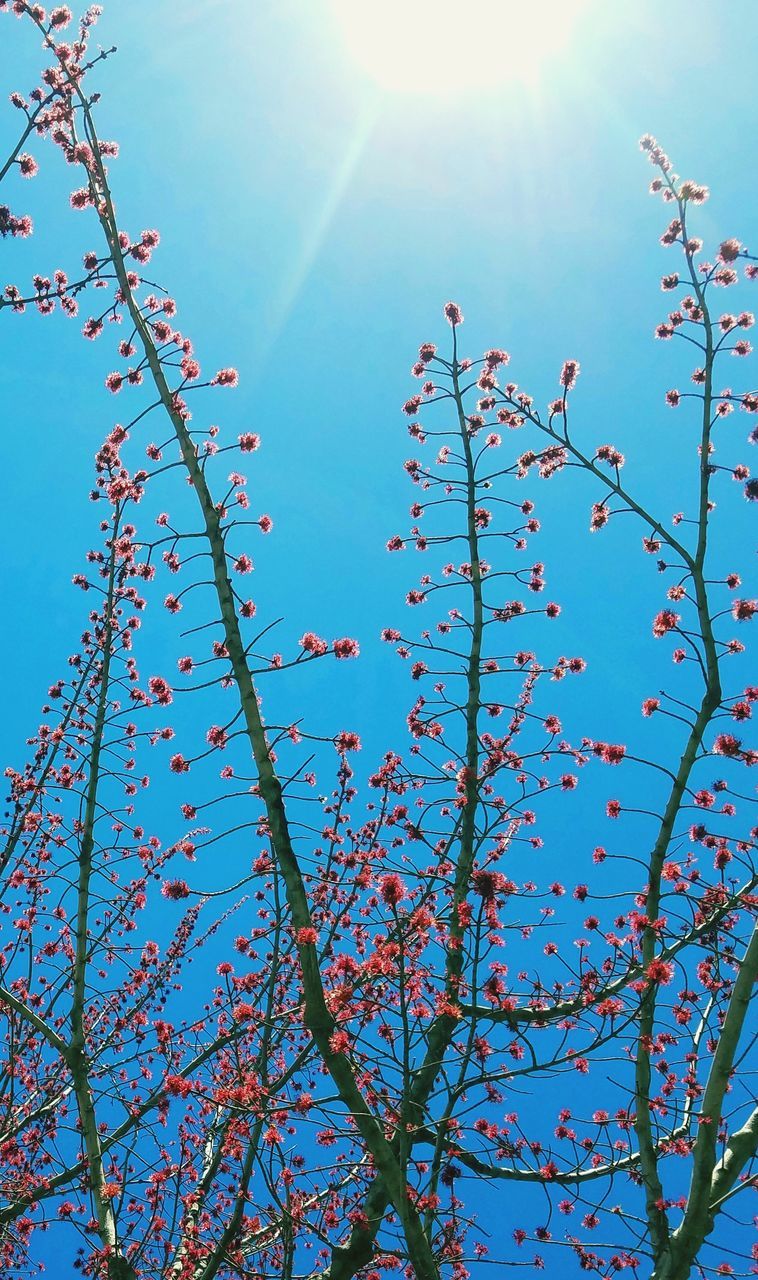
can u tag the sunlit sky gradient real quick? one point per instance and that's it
(313, 223)
(312, 227)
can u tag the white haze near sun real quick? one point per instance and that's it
(445, 46)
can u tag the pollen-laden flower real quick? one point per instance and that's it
(453, 314)
(160, 690)
(175, 890)
(569, 374)
(744, 610)
(345, 648)
(665, 621)
(660, 971)
(312, 643)
(392, 889)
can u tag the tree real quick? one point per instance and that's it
(331, 1102)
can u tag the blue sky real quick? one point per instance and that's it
(312, 227)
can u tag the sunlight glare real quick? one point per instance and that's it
(451, 45)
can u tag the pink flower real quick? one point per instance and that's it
(249, 442)
(743, 610)
(727, 745)
(339, 1042)
(175, 890)
(569, 374)
(313, 644)
(60, 17)
(27, 165)
(226, 378)
(660, 971)
(665, 621)
(217, 737)
(392, 890)
(160, 690)
(453, 313)
(178, 764)
(345, 648)
(306, 937)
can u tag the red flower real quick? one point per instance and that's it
(569, 374)
(661, 971)
(175, 890)
(665, 621)
(160, 690)
(313, 644)
(453, 313)
(345, 648)
(392, 890)
(743, 610)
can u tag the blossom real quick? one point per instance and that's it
(665, 621)
(160, 690)
(743, 610)
(60, 17)
(27, 165)
(392, 889)
(660, 971)
(599, 516)
(312, 643)
(175, 889)
(226, 378)
(569, 374)
(339, 1042)
(345, 648)
(453, 313)
(178, 764)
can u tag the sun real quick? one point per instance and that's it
(444, 46)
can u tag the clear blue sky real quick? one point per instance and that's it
(311, 230)
(312, 226)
